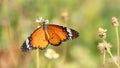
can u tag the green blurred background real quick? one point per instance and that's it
(17, 22)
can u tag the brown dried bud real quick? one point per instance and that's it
(115, 21)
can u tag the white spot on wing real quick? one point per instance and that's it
(27, 43)
(69, 33)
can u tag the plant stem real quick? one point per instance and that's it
(37, 58)
(49, 65)
(117, 38)
(65, 52)
(104, 54)
(108, 50)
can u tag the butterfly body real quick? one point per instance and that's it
(48, 34)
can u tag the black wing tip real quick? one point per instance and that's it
(75, 34)
(24, 47)
(71, 33)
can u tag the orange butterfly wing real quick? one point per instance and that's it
(57, 34)
(53, 34)
(38, 39)
(53, 39)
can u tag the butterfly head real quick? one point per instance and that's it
(45, 22)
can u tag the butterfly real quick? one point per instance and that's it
(48, 34)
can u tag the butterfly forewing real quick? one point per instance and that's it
(59, 30)
(53, 39)
(36, 40)
(63, 33)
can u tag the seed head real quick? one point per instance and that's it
(102, 32)
(103, 48)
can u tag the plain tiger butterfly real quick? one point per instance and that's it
(48, 34)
